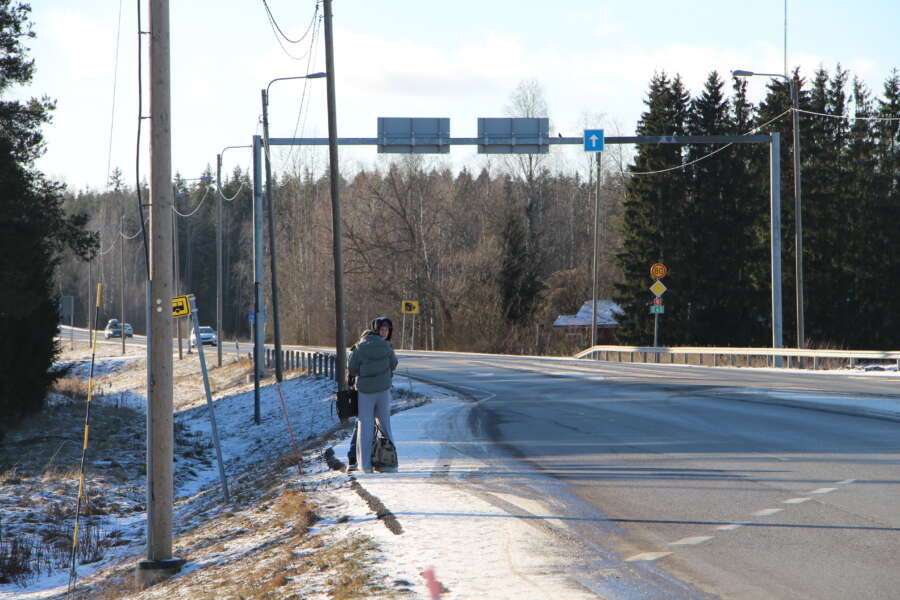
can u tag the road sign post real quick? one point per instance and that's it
(409, 307)
(657, 272)
(192, 308)
(593, 142)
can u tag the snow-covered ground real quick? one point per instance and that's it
(423, 517)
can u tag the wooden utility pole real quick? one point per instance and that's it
(160, 434)
(334, 174)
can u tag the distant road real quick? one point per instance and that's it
(83, 335)
(686, 482)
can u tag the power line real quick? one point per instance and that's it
(136, 233)
(112, 116)
(280, 31)
(137, 158)
(714, 152)
(194, 212)
(221, 193)
(847, 117)
(312, 49)
(276, 29)
(108, 250)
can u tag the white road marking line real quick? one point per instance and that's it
(647, 556)
(691, 541)
(729, 527)
(767, 511)
(795, 501)
(823, 490)
(846, 481)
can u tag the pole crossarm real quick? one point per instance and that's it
(551, 141)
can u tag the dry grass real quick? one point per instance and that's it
(294, 507)
(72, 387)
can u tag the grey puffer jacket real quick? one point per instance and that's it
(372, 363)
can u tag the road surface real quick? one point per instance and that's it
(688, 482)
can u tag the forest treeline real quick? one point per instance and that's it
(495, 254)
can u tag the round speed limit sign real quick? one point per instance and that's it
(658, 271)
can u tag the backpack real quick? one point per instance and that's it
(384, 453)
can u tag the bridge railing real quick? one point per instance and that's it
(715, 357)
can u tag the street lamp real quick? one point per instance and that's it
(798, 232)
(219, 297)
(279, 370)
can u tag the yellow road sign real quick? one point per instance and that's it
(181, 306)
(410, 307)
(658, 288)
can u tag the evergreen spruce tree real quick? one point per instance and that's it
(866, 290)
(885, 255)
(33, 232)
(654, 220)
(749, 189)
(773, 106)
(709, 212)
(519, 284)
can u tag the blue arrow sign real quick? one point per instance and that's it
(593, 140)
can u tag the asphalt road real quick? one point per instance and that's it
(685, 482)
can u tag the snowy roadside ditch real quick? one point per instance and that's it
(38, 485)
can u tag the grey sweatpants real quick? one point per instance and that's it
(372, 406)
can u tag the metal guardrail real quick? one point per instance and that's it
(316, 364)
(728, 356)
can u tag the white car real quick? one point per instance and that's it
(114, 330)
(207, 337)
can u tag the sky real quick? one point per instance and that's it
(404, 58)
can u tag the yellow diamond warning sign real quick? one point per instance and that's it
(658, 288)
(410, 307)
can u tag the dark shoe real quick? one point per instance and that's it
(351, 467)
(388, 469)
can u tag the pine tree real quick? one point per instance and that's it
(33, 232)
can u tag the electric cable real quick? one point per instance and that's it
(194, 212)
(313, 50)
(112, 116)
(846, 117)
(218, 189)
(137, 159)
(275, 23)
(714, 152)
(108, 250)
(136, 233)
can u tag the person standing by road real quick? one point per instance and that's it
(372, 364)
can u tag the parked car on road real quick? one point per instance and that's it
(207, 337)
(114, 329)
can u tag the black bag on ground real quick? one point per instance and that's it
(384, 453)
(347, 404)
